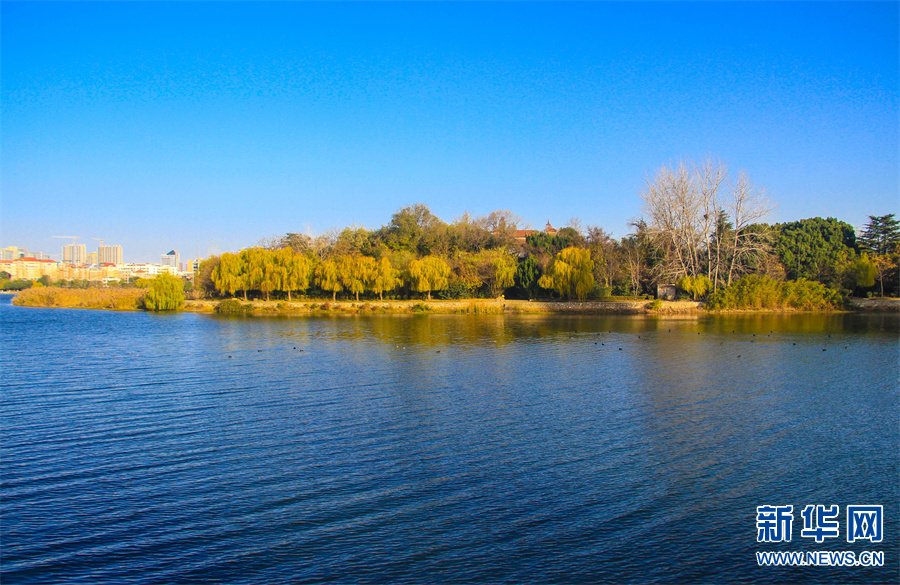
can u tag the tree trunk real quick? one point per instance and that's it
(381, 295)
(289, 296)
(357, 297)
(429, 295)
(334, 296)
(245, 294)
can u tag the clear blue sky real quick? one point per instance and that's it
(212, 125)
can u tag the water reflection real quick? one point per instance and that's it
(425, 448)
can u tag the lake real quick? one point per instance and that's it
(193, 448)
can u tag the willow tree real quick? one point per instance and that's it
(428, 274)
(293, 270)
(251, 270)
(227, 274)
(696, 286)
(266, 269)
(329, 278)
(354, 273)
(570, 273)
(862, 272)
(497, 270)
(383, 277)
(165, 293)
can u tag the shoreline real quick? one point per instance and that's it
(483, 306)
(470, 306)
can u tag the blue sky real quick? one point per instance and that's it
(211, 125)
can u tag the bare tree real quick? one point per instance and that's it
(502, 225)
(674, 206)
(270, 243)
(688, 212)
(748, 207)
(501, 219)
(576, 225)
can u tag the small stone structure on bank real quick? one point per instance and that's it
(665, 292)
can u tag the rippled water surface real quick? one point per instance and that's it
(186, 448)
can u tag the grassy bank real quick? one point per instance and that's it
(116, 299)
(471, 306)
(131, 300)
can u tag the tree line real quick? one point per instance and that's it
(701, 229)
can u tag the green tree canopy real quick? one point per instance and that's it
(881, 235)
(527, 275)
(815, 248)
(416, 229)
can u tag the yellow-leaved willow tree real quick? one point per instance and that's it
(383, 278)
(570, 273)
(428, 274)
(329, 278)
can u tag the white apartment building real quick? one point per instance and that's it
(74, 253)
(110, 254)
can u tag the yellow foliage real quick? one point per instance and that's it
(121, 299)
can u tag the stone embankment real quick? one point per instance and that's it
(489, 306)
(876, 305)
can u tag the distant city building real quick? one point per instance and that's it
(132, 271)
(26, 268)
(74, 253)
(171, 259)
(12, 253)
(110, 254)
(15, 252)
(92, 258)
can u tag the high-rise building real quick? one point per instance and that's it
(92, 258)
(74, 253)
(12, 253)
(110, 254)
(171, 259)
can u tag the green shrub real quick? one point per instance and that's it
(18, 284)
(655, 305)
(233, 306)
